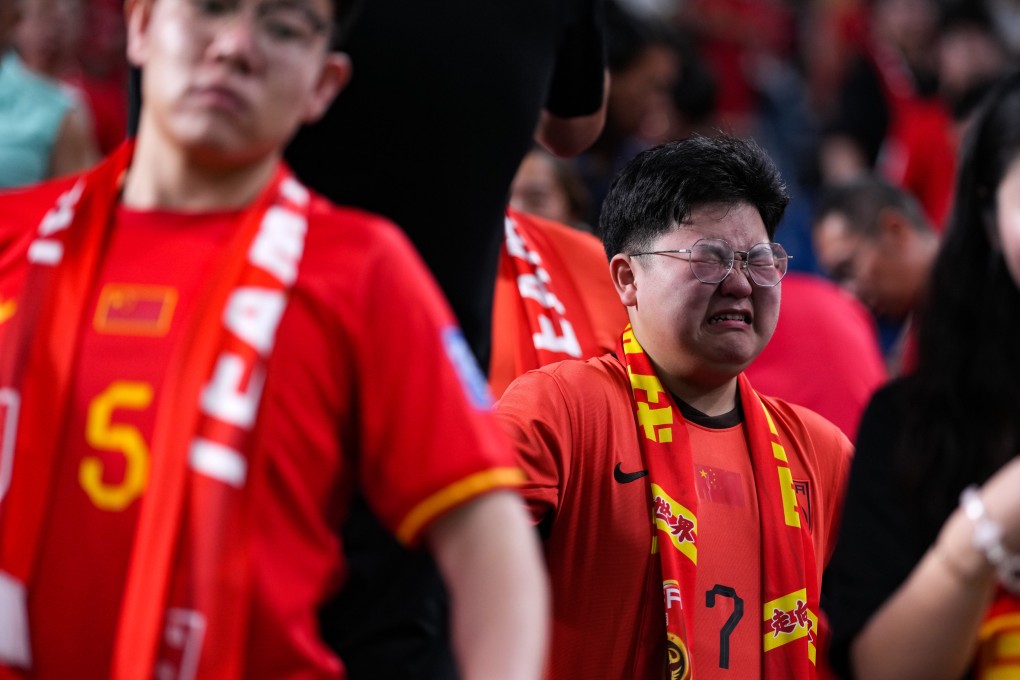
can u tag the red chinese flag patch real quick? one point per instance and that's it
(126, 309)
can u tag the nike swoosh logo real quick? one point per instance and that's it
(626, 477)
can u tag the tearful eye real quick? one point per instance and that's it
(711, 255)
(762, 262)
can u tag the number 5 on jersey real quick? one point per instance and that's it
(103, 434)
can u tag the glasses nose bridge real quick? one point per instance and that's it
(740, 259)
(739, 264)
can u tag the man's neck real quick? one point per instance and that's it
(711, 398)
(162, 177)
(714, 401)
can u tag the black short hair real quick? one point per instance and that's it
(862, 200)
(660, 187)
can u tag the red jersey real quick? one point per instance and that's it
(587, 488)
(369, 386)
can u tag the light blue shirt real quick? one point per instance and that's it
(31, 111)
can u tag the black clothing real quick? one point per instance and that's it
(883, 534)
(441, 108)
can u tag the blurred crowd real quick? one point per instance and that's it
(863, 105)
(832, 89)
(837, 91)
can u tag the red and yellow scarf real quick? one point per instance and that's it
(999, 639)
(188, 581)
(790, 589)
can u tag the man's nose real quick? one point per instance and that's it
(238, 39)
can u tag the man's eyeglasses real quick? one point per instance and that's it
(712, 259)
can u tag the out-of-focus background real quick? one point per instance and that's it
(835, 90)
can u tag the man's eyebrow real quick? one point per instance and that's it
(299, 5)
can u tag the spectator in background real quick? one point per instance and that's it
(888, 118)
(644, 66)
(45, 133)
(876, 241)
(695, 94)
(54, 38)
(739, 39)
(925, 581)
(971, 56)
(549, 187)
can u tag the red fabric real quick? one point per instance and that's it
(997, 654)
(919, 150)
(735, 35)
(112, 336)
(790, 584)
(728, 528)
(579, 314)
(919, 155)
(824, 353)
(572, 424)
(336, 412)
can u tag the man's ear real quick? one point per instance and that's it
(137, 15)
(621, 269)
(336, 73)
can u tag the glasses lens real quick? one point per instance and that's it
(289, 23)
(766, 262)
(711, 260)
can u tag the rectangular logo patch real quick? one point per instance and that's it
(128, 309)
(719, 486)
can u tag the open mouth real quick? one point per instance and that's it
(719, 318)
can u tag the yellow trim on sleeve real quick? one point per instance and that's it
(454, 495)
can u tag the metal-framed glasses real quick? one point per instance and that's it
(712, 259)
(280, 23)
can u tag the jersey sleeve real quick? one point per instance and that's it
(429, 442)
(535, 415)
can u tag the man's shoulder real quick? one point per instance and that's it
(815, 446)
(803, 424)
(586, 373)
(579, 385)
(349, 223)
(364, 239)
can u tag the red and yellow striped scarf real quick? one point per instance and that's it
(790, 589)
(998, 652)
(193, 523)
